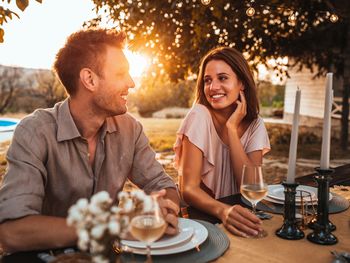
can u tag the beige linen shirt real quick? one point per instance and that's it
(49, 170)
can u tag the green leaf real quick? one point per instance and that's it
(40, 1)
(22, 4)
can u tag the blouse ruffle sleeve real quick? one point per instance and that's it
(258, 138)
(198, 129)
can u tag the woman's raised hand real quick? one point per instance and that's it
(240, 112)
(240, 221)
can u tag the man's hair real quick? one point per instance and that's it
(85, 49)
(241, 68)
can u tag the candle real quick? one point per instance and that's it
(326, 133)
(294, 140)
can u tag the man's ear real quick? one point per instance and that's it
(88, 78)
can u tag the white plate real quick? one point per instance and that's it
(199, 236)
(185, 233)
(276, 192)
(297, 203)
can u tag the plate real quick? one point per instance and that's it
(185, 233)
(200, 234)
(276, 192)
(297, 203)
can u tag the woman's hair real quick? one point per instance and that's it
(241, 68)
(85, 49)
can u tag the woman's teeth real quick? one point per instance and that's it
(217, 96)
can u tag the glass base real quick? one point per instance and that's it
(261, 234)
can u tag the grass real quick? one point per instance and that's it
(162, 135)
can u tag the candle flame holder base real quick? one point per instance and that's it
(289, 229)
(322, 226)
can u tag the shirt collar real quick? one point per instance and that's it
(66, 128)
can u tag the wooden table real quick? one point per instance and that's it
(275, 249)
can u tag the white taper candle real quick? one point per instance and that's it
(294, 140)
(327, 123)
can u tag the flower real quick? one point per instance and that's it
(99, 223)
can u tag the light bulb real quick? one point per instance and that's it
(333, 18)
(205, 2)
(250, 11)
(292, 18)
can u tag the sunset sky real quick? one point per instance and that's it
(33, 40)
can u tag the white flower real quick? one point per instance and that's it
(147, 204)
(96, 247)
(114, 227)
(139, 194)
(82, 245)
(115, 209)
(74, 216)
(128, 205)
(101, 197)
(97, 231)
(82, 204)
(122, 195)
(83, 237)
(95, 209)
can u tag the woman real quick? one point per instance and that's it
(221, 133)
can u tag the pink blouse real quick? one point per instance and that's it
(217, 171)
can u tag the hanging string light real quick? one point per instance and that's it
(333, 18)
(250, 11)
(205, 2)
(293, 17)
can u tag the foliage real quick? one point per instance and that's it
(6, 13)
(157, 92)
(270, 95)
(10, 82)
(178, 33)
(49, 88)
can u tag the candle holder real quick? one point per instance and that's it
(322, 226)
(289, 229)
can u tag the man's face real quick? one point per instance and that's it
(114, 84)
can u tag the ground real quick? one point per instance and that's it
(162, 134)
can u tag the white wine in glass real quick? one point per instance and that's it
(148, 227)
(253, 188)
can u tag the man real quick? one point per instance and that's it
(83, 145)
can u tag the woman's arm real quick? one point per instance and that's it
(236, 219)
(237, 153)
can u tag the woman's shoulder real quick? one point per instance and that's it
(198, 111)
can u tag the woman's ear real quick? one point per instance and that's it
(88, 78)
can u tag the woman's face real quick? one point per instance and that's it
(221, 85)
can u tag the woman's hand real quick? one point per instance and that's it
(240, 221)
(237, 116)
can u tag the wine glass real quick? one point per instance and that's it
(148, 227)
(253, 188)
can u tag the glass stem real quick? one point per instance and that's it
(254, 208)
(149, 258)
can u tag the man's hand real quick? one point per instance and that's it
(169, 210)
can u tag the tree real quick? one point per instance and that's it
(167, 94)
(177, 33)
(49, 88)
(10, 82)
(7, 14)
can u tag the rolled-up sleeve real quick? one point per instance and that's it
(147, 173)
(22, 190)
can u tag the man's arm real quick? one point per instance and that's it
(36, 232)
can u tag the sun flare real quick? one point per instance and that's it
(138, 63)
